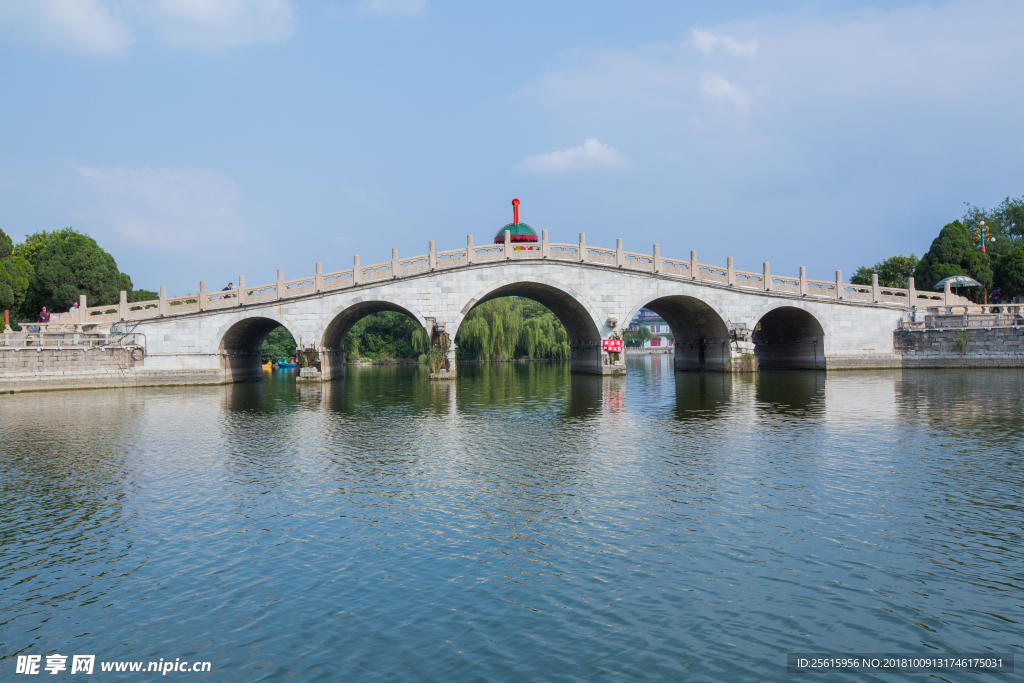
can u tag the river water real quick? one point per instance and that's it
(521, 523)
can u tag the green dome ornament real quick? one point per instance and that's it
(519, 233)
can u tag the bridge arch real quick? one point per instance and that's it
(581, 321)
(700, 329)
(789, 337)
(337, 325)
(240, 342)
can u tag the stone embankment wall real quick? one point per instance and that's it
(32, 370)
(977, 347)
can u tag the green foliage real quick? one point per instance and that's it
(953, 253)
(960, 341)
(892, 272)
(437, 356)
(15, 273)
(6, 245)
(34, 243)
(278, 343)
(636, 337)
(66, 264)
(385, 336)
(1009, 274)
(1005, 223)
(511, 327)
(136, 295)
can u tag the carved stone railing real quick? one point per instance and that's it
(360, 275)
(967, 315)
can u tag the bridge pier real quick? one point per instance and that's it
(589, 359)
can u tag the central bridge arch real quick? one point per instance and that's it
(581, 322)
(701, 332)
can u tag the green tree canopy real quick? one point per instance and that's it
(278, 343)
(1009, 274)
(511, 327)
(66, 264)
(15, 272)
(953, 253)
(892, 272)
(1005, 223)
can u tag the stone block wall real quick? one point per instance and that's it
(978, 347)
(48, 369)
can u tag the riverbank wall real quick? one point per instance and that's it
(997, 347)
(33, 369)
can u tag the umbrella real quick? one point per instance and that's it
(957, 281)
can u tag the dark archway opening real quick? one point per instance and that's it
(789, 338)
(371, 330)
(700, 336)
(243, 348)
(581, 335)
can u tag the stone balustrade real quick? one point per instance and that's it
(475, 255)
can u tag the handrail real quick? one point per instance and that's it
(665, 266)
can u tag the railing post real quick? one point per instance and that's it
(544, 249)
(694, 270)
(620, 256)
(161, 307)
(122, 306)
(911, 292)
(432, 258)
(875, 296)
(203, 304)
(766, 279)
(730, 273)
(83, 316)
(507, 246)
(394, 263)
(318, 279)
(357, 272)
(469, 249)
(280, 283)
(583, 247)
(243, 296)
(657, 259)
(803, 281)
(839, 284)
(947, 295)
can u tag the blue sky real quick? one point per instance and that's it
(203, 139)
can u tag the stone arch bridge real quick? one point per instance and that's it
(721, 318)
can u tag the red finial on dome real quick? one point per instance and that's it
(515, 212)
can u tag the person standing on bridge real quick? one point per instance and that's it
(230, 287)
(44, 316)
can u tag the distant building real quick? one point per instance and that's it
(656, 324)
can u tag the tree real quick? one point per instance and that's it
(1009, 274)
(278, 343)
(892, 272)
(15, 272)
(66, 264)
(953, 253)
(1005, 223)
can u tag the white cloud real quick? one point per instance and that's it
(166, 209)
(707, 41)
(405, 8)
(109, 27)
(719, 88)
(592, 154)
(218, 23)
(88, 26)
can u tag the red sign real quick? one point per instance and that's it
(612, 345)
